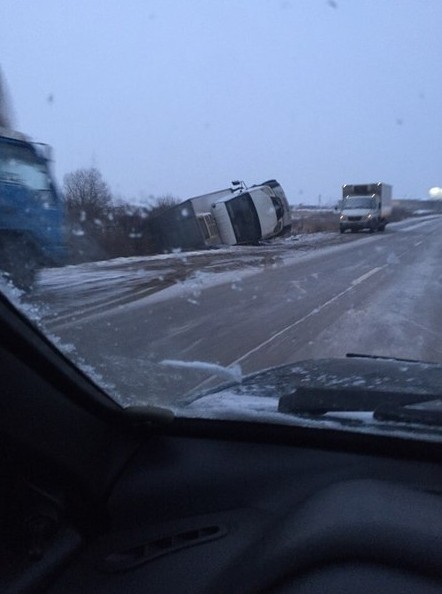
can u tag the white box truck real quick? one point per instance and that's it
(230, 216)
(365, 206)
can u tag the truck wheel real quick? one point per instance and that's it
(341, 230)
(381, 228)
(25, 277)
(19, 263)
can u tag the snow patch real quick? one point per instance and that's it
(232, 372)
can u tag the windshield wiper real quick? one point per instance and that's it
(427, 413)
(382, 357)
(386, 405)
(320, 400)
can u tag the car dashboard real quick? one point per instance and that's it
(96, 500)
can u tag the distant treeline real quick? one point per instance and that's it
(419, 205)
(99, 227)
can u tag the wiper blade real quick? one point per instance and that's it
(321, 400)
(398, 407)
(382, 357)
(431, 414)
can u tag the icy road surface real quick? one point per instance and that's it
(246, 308)
(97, 286)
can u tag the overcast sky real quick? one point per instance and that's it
(182, 96)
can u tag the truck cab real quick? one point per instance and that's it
(31, 209)
(249, 217)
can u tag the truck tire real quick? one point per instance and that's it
(24, 278)
(19, 264)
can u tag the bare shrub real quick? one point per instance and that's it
(311, 221)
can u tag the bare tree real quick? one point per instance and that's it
(100, 227)
(88, 204)
(87, 193)
(163, 203)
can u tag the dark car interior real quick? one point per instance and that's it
(95, 498)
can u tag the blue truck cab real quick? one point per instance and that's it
(32, 231)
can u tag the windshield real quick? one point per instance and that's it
(158, 294)
(18, 164)
(245, 221)
(358, 202)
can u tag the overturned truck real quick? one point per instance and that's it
(230, 217)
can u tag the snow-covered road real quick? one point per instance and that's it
(84, 290)
(246, 308)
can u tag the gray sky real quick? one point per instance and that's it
(182, 96)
